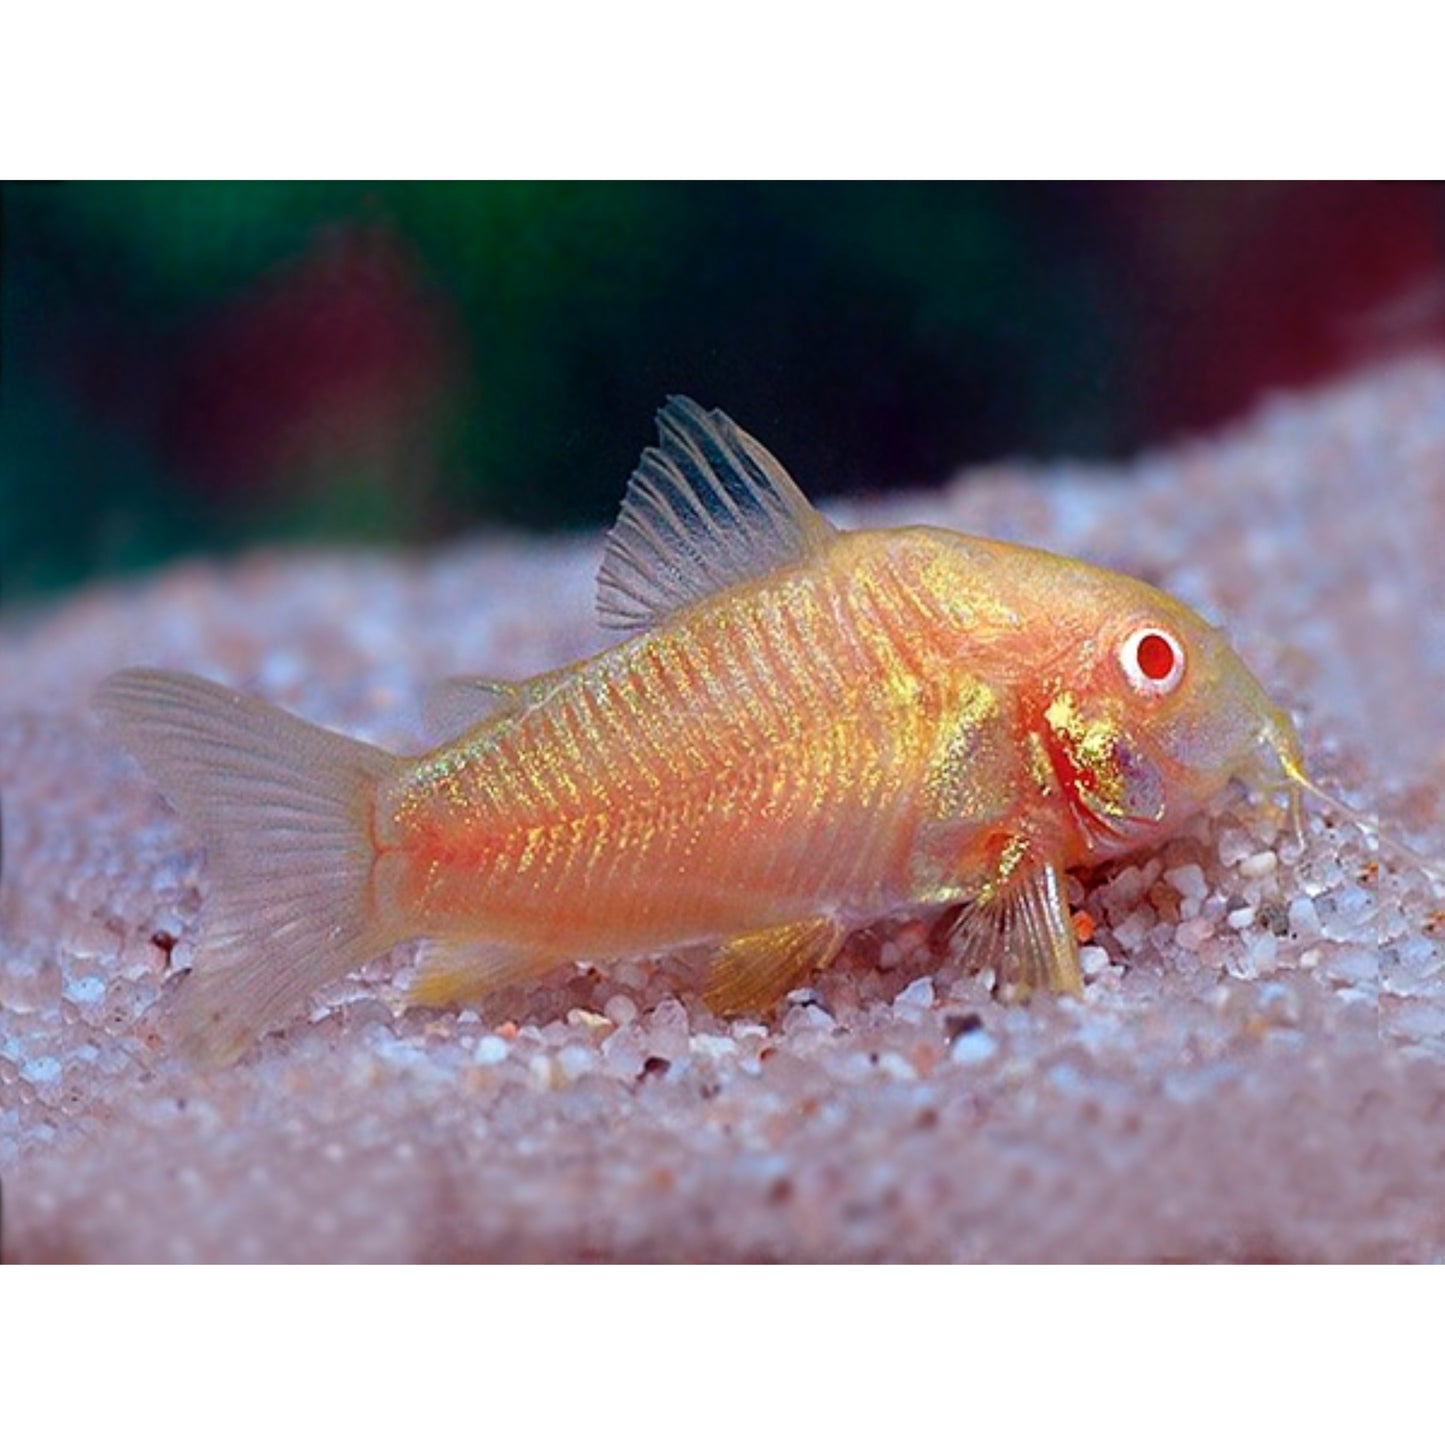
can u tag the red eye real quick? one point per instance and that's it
(1153, 661)
(1155, 654)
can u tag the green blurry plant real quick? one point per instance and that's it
(872, 334)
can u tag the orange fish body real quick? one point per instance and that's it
(782, 751)
(808, 729)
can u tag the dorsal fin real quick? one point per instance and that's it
(706, 509)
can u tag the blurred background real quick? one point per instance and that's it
(200, 367)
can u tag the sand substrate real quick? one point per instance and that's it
(1255, 1071)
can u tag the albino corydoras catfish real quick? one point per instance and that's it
(803, 729)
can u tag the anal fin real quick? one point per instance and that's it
(753, 971)
(456, 971)
(1020, 927)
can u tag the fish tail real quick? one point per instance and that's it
(285, 810)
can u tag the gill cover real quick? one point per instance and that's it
(1114, 790)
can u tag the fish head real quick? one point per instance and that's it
(1147, 713)
(1152, 714)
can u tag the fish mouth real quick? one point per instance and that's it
(1279, 736)
(1273, 759)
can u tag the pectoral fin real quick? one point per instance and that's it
(457, 971)
(753, 971)
(1020, 928)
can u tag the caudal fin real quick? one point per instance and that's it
(284, 809)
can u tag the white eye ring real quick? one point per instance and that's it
(1153, 661)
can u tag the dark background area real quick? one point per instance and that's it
(191, 367)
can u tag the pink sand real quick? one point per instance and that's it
(1254, 1072)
